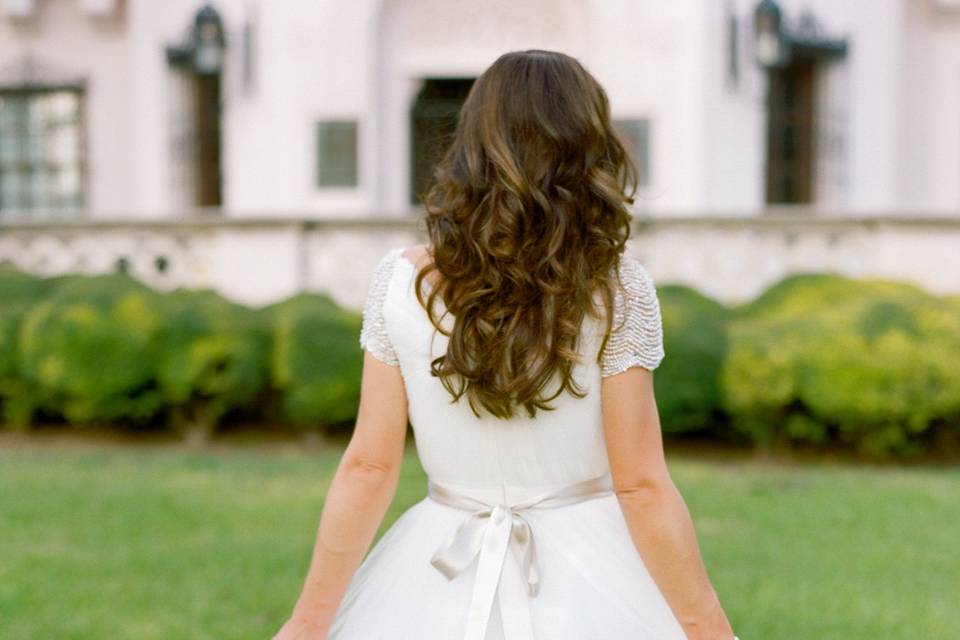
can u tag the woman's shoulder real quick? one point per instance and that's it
(633, 271)
(636, 287)
(637, 335)
(389, 258)
(373, 330)
(415, 252)
(420, 257)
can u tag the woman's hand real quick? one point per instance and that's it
(362, 489)
(300, 629)
(656, 514)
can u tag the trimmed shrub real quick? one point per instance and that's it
(816, 359)
(18, 293)
(213, 359)
(316, 361)
(18, 286)
(88, 351)
(867, 363)
(688, 383)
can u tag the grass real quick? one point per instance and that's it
(150, 544)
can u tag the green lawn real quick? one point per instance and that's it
(158, 544)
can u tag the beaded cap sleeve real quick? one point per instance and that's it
(373, 328)
(636, 338)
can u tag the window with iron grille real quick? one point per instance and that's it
(41, 149)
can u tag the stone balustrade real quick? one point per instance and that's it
(260, 260)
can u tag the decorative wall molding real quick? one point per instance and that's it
(29, 71)
(262, 260)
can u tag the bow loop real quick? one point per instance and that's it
(487, 533)
(462, 546)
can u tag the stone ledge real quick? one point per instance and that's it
(773, 219)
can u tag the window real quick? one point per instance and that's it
(41, 158)
(337, 153)
(635, 133)
(434, 116)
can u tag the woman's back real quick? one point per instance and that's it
(520, 455)
(457, 581)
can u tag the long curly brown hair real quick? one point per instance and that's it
(527, 217)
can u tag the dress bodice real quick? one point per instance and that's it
(536, 490)
(489, 457)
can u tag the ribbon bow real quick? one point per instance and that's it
(489, 530)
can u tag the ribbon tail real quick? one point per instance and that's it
(515, 603)
(496, 540)
(526, 555)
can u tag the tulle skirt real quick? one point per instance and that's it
(593, 583)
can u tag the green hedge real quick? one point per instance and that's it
(18, 292)
(815, 360)
(88, 351)
(213, 359)
(866, 363)
(109, 350)
(316, 361)
(689, 381)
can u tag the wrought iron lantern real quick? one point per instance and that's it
(777, 44)
(203, 52)
(771, 46)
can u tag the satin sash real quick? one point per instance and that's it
(489, 531)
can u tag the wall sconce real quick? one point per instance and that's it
(770, 44)
(203, 52)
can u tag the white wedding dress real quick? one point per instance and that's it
(464, 566)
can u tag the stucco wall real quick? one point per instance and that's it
(665, 61)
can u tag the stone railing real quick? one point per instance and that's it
(261, 260)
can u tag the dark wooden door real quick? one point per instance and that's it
(433, 124)
(206, 110)
(790, 133)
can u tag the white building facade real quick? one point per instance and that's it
(246, 110)
(309, 82)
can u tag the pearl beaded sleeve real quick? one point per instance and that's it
(636, 338)
(373, 330)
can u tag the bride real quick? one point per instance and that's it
(519, 344)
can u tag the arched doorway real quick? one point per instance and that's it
(428, 54)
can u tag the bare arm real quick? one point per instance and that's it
(655, 512)
(362, 489)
